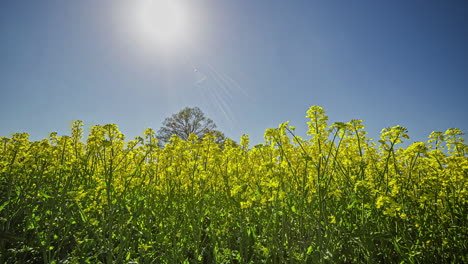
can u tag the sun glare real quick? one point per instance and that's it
(162, 23)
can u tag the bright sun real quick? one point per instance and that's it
(164, 23)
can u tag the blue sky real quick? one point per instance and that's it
(249, 65)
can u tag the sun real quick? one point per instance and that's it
(162, 23)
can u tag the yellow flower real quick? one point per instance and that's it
(380, 201)
(246, 204)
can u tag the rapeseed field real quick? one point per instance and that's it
(332, 196)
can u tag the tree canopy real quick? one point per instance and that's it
(189, 121)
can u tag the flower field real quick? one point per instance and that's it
(334, 196)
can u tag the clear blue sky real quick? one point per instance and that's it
(248, 64)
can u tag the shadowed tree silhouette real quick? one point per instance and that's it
(186, 122)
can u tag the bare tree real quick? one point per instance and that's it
(186, 122)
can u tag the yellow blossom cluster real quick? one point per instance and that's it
(335, 195)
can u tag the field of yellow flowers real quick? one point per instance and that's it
(335, 197)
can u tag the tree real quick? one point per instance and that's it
(186, 122)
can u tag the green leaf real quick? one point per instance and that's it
(45, 195)
(309, 250)
(17, 190)
(3, 205)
